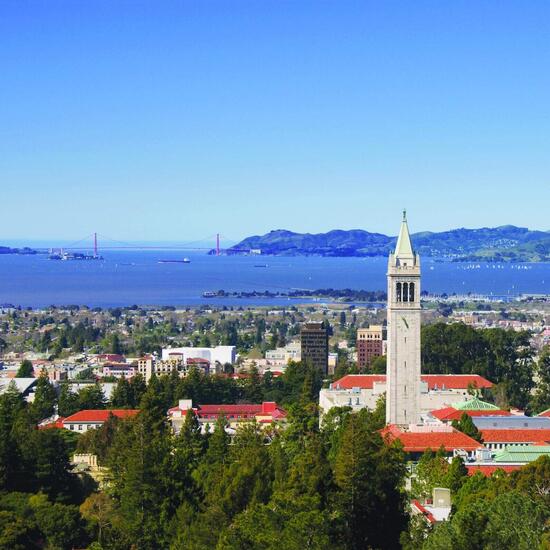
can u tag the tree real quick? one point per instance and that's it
(91, 397)
(466, 425)
(3, 346)
(45, 399)
(99, 510)
(26, 370)
(541, 398)
(253, 387)
(68, 402)
(370, 476)
(122, 396)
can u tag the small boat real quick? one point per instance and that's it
(184, 261)
(260, 265)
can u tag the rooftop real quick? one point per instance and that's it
(99, 415)
(515, 436)
(430, 438)
(434, 381)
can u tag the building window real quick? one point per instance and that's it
(405, 292)
(398, 292)
(411, 292)
(80, 427)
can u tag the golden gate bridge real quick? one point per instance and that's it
(91, 243)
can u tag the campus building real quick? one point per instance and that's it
(369, 344)
(314, 346)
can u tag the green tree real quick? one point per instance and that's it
(370, 476)
(45, 399)
(466, 425)
(68, 402)
(122, 396)
(91, 397)
(26, 370)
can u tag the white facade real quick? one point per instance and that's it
(404, 318)
(218, 354)
(281, 356)
(360, 398)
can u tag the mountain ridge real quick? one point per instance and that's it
(502, 243)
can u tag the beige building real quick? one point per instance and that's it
(149, 364)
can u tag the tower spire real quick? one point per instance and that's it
(403, 249)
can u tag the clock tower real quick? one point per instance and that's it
(403, 362)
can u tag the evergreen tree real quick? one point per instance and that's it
(466, 425)
(26, 370)
(45, 399)
(370, 476)
(122, 397)
(68, 402)
(91, 397)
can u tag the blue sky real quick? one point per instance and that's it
(175, 120)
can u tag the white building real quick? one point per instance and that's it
(218, 354)
(281, 356)
(436, 391)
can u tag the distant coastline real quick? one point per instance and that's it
(500, 244)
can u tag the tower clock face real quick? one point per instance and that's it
(404, 323)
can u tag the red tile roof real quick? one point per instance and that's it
(448, 414)
(515, 436)
(56, 424)
(545, 413)
(489, 469)
(434, 381)
(97, 415)
(414, 442)
(426, 513)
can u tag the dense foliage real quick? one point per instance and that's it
(504, 357)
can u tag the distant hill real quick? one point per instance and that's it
(9, 250)
(505, 243)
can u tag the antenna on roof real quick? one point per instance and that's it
(404, 215)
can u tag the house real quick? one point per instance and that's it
(418, 438)
(85, 420)
(437, 391)
(265, 413)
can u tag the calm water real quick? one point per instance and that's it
(136, 277)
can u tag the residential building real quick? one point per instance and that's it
(369, 344)
(265, 413)
(404, 319)
(314, 346)
(82, 421)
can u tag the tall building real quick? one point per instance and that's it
(404, 318)
(314, 344)
(369, 344)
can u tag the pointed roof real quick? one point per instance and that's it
(475, 404)
(403, 249)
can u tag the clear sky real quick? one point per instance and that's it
(175, 120)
